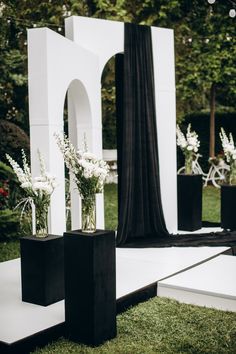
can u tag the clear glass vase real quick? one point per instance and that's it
(41, 220)
(188, 164)
(88, 205)
(232, 173)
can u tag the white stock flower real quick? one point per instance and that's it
(26, 185)
(89, 156)
(188, 143)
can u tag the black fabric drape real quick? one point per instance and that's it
(140, 211)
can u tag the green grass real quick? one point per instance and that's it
(111, 207)
(211, 204)
(211, 212)
(166, 327)
(9, 250)
(159, 326)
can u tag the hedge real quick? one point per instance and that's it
(201, 124)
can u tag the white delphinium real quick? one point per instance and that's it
(230, 154)
(38, 189)
(189, 144)
(89, 171)
(37, 186)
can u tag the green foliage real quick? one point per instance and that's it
(205, 55)
(9, 224)
(200, 123)
(13, 139)
(9, 181)
(204, 45)
(9, 250)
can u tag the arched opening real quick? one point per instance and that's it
(108, 91)
(77, 125)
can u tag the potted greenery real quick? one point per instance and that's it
(42, 255)
(189, 184)
(228, 190)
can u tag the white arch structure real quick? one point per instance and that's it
(58, 65)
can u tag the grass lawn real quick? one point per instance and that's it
(159, 325)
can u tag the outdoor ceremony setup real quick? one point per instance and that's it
(73, 283)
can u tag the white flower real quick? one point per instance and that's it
(39, 188)
(89, 156)
(26, 185)
(40, 179)
(84, 165)
(188, 143)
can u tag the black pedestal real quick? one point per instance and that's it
(90, 286)
(189, 202)
(42, 269)
(228, 207)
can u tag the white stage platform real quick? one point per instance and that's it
(203, 230)
(210, 284)
(136, 269)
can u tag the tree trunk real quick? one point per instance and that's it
(212, 121)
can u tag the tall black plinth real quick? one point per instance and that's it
(189, 202)
(228, 210)
(42, 269)
(90, 286)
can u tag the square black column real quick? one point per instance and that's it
(42, 269)
(228, 210)
(90, 286)
(189, 202)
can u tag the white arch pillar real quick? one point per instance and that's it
(105, 39)
(53, 63)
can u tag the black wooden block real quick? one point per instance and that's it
(90, 286)
(42, 269)
(228, 209)
(189, 202)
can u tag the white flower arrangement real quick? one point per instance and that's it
(230, 154)
(38, 187)
(89, 171)
(189, 144)
(38, 190)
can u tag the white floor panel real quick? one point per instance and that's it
(203, 230)
(210, 284)
(135, 269)
(139, 267)
(20, 319)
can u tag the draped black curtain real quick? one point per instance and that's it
(140, 211)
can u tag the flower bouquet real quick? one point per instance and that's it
(89, 174)
(189, 144)
(38, 192)
(230, 155)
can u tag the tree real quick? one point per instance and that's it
(205, 48)
(206, 60)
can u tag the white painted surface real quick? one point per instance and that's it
(136, 268)
(210, 284)
(203, 230)
(55, 65)
(20, 319)
(139, 267)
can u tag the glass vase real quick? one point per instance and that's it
(88, 206)
(188, 164)
(232, 174)
(41, 221)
